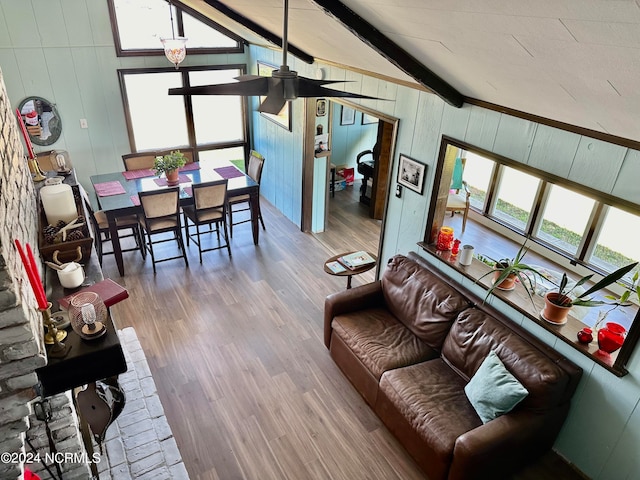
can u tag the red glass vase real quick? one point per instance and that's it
(610, 338)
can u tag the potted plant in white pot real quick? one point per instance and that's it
(169, 165)
(559, 303)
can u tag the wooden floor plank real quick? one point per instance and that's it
(235, 346)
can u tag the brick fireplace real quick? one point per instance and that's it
(22, 349)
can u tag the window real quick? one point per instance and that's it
(565, 219)
(217, 119)
(156, 120)
(616, 243)
(574, 226)
(138, 26)
(477, 173)
(515, 195)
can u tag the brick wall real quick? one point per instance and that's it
(21, 333)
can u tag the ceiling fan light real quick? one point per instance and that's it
(175, 49)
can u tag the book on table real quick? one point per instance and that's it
(356, 260)
(109, 291)
(336, 267)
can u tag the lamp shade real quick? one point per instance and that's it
(175, 49)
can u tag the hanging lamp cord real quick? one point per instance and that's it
(173, 33)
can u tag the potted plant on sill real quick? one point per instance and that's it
(169, 165)
(558, 303)
(507, 270)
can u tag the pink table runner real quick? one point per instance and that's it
(228, 172)
(190, 166)
(148, 172)
(106, 189)
(133, 174)
(162, 182)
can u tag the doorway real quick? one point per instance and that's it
(348, 129)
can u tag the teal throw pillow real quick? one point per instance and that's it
(493, 391)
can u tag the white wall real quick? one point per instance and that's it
(63, 50)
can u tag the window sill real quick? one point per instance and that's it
(519, 301)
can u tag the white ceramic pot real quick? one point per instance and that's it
(71, 275)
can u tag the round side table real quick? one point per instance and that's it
(347, 271)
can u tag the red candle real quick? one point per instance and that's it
(32, 275)
(27, 140)
(42, 298)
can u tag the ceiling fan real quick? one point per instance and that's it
(282, 86)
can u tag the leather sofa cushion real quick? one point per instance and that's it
(424, 302)
(430, 395)
(474, 334)
(379, 340)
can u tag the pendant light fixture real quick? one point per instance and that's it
(175, 48)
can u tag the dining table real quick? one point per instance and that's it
(117, 192)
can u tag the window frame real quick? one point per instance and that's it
(548, 251)
(179, 9)
(184, 72)
(602, 199)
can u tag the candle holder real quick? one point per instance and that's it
(35, 169)
(87, 313)
(53, 336)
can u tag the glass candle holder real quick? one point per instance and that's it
(87, 313)
(445, 238)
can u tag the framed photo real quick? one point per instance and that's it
(347, 116)
(283, 118)
(321, 107)
(411, 173)
(368, 119)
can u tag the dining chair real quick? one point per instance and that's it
(256, 162)
(101, 232)
(138, 161)
(161, 214)
(209, 209)
(144, 160)
(458, 201)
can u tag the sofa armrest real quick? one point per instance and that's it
(351, 300)
(505, 444)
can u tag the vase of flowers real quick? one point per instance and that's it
(169, 165)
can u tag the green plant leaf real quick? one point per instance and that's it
(588, 303)
(609, 279)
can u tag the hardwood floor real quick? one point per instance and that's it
(235, 348)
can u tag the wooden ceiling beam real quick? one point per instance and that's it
(391, 51)
(259, 30)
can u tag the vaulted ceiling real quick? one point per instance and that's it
(572, 61)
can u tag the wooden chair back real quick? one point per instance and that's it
(144, 160)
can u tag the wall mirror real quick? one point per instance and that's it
(42, 120)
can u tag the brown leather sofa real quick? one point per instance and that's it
(411, 341)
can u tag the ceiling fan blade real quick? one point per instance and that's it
(308, 87)
(272, 105)
(249, 87)
(275, 98)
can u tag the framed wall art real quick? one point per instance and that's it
(368, 119)
(321, 107)
(347, 116)
(411, 173)
(283, 118)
